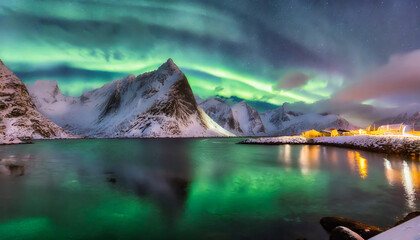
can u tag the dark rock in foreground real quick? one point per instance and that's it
(364, 230)
(408, 217)
(343, 233)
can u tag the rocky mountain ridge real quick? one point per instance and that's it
(19, 118)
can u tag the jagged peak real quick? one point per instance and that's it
(46, 86)
(46, 83)
(170, 67)
(242, 103)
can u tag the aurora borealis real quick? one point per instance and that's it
(239, 48)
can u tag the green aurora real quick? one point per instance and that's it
(226, 48)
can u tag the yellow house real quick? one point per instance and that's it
(334, 133)
(312, 134)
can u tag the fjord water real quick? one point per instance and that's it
(197, 189)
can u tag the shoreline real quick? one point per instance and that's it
(399, 145)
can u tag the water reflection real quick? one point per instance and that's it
(405, 174)
(198, 189)
(309, 158)
(355, 159)
(14, 165)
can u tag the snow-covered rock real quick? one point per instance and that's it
(386, 144)
(154, 104)
(221, 113)
(249, 119)
(276, 140)
(19, 118)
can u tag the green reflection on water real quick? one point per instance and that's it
(233, 191)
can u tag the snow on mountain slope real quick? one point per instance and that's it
(222, 114)
(154, 104)
(249, 119)
(305, 122)
(273, 120)
(410, 115)
(281, 121)
(19, 118)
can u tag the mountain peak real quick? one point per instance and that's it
(170, 67)
(45, 87)
(46, 83)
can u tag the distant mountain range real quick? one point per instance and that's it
(409, 115)
(243, 120)
(154, 104)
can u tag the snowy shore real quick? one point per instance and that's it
(386, 144)
(4, 140)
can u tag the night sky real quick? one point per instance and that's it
(271, 52)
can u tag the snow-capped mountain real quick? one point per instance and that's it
(221, 113)
(281, 121)
(154, 104)
(244, 120)
(408, 116)
(18, 115)
(249, 119)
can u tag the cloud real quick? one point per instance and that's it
(293, 80)
(399, 77)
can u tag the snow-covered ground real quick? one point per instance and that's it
(276, 140)
(409, 230)
(387, 144)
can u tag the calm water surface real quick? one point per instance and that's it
(197, 189)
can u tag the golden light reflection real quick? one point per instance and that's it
(333, 156)
(409, 186)
(393, 176)
(309, 158)
(362, 164)
(354, 159)
(407, 175)
(287, 158)
(284, 156)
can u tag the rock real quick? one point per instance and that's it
(364, 230)
(343, 233)
(16, 112)
(408, 217)
(3, 105)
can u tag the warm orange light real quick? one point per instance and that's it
(363, 165)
